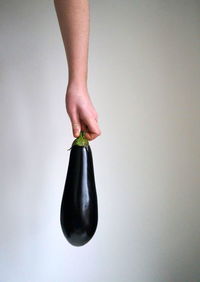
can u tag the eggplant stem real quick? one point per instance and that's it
(81, 140)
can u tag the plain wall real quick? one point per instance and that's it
(144, 75)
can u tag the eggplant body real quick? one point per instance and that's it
(79, 209)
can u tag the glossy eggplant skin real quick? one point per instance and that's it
(79, 208)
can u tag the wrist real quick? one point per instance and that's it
(77, 77)
(77, 85)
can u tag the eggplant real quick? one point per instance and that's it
(79, 207)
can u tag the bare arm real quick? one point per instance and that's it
(73, 17)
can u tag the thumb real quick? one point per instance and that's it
(76, 126)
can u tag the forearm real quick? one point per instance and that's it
(73, 17)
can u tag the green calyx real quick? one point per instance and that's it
(81, 140)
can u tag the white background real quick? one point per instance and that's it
(144, 75)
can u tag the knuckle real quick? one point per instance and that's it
(75, 125)
(71, 112)
(70, 109)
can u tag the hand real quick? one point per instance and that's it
(82, 113)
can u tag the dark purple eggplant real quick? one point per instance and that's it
(79, 208)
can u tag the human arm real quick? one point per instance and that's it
(73, 17)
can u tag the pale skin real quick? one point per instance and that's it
(73, 17)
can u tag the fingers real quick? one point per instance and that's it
(89, 125)
(83, 127)
(91, 128)
(83, 118)
(76, 125)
